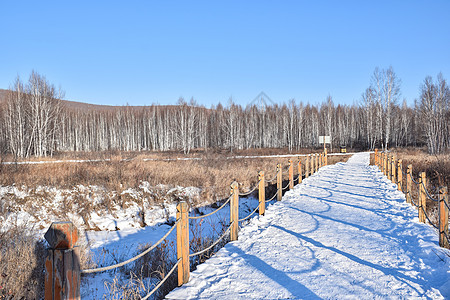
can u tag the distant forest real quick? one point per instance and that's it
(35, 122)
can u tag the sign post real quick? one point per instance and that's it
(324, 139)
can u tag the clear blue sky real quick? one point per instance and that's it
(144, 52)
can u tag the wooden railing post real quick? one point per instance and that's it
(234, 211)
(183, 242)
(317, 163)
(385, 164)
(326, 157)
(422, 196)
(279, 182)
(393, 169)
(389, 167)
(408, 184)
(313, 164)
(376, 157)
(443, 217)
(307, 164)
(62, 264)
(399, 175)
(262, 194)
(291, 175)
(320, 160)
(299, 168)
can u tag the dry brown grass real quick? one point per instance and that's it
(437, 167)
(213, 172)
(22, 265)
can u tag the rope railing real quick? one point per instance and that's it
(211, 213)
(386, 165)
(427, 194)
(248, 193)
(213, 244)
(87, 271)
(446, 237)
(413, 202)
(273, 197)
(446, 204)
(162, 281)
(426, 216)
(404, 189)
(405, 174)
(182, 224)
(412, 179)
(251, 214)
(273, 179)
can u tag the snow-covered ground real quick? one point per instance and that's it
(346, 232)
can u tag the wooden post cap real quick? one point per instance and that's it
(62, 235)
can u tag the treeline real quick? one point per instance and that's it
(36, 123)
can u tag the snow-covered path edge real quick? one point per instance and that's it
(345, 232)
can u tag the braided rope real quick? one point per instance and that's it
(213, 244)
(133, 258)
(404, 191)
(284, 188)
(428, 195)
(162, 281)
(446, 236)
(273, 179)
(403, 172)
(248, 193)
(412, 178)
(446, 204)
(211, 213)
(426, 216)
(412, 200)
(272, 197)
(243, 219)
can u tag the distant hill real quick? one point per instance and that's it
(75, 105)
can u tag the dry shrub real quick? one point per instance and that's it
(22, 265)
(135, 281)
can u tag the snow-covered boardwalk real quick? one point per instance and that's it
(344, 233)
